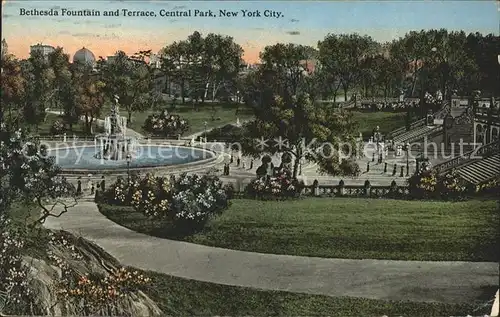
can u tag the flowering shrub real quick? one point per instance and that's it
(13, 274)
(90, 291)
(165, 124)
(428, 184)
(122, 192)
(451, 185)
(188, 198)
(57, 128)
(490, 187)
(280, 186)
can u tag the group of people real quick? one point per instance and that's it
(388, 105)
(241, 163)
(91, 186)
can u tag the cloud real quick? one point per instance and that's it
(55, 7)
(111, 36)
(64, 32)
(294, 20)
(84, 22)
(85, 34)
(293, 32)
(112, 26)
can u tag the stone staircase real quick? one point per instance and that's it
(482, 170)
(415, 134)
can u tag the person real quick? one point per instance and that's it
(232, 159)
(97, 193)
(92, 189)
(244, 165)
(103, 183)
(251, 164)
(79, 187)
(238, 161)
(89, 183)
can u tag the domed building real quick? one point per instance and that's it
(84, 56)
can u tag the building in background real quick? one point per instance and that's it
(45, 50)
(84, 56)
(5, 48)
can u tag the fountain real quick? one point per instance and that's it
(114, 144)
(114, 151)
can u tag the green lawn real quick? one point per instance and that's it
(44, 127)
(387, 121)
(344, 228)
(196, 118)
(182, 297)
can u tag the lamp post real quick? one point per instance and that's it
(129, 157)
(407, 149)
(205, 124)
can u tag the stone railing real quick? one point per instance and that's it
(367, 190)
(445, 109)
(429, 134)
(417, 124)
(476, 154)
(442, 112)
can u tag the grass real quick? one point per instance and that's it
(44, 127)
(344, 228)
(182, 297)
(387, 121)
(196, 118)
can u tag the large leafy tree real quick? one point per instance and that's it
(89, 92)
(203, 67)
(288, 120)
(223, 58)
(39, 88)
(131, 79)
(13, 84)
(342, 56)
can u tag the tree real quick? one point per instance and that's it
(223, 59)
(89, 94)
(342, 55)
(39, 91)
(13, 84)
(28, 174)
(284, 64)
(129, 79)
(287, 118)
(175, 59)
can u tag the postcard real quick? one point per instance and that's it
(291, 158)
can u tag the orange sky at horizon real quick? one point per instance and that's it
(20, 47)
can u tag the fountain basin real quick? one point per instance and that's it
(82, 159)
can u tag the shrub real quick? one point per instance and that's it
(490, 187)
(57, 128)
(165, 124)
(451, 186)
(428, 184)
(279, 186)
(15, 292)
(187, 199)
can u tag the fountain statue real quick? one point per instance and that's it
(114, 144)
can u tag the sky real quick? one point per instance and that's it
(300, 22)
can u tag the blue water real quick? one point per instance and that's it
(145, 156)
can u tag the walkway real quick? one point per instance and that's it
(377, 279)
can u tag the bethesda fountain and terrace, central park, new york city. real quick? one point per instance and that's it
(189, 182)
